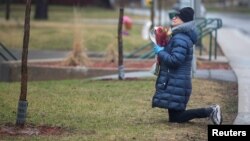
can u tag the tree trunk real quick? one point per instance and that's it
(104, 3)
(107, 4)
(23, 104)
(41, 12)
(120, 44)
(7, 15)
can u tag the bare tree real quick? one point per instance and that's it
(107, 4)
(7, 13)
(120, 44)
(23, 104)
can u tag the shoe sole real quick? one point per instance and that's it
(217, 114)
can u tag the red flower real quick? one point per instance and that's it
(162, 35)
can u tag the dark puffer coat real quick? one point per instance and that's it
(173, 84)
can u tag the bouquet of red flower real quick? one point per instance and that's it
(160, 36)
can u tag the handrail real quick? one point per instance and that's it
(212, 25)
(149, 54)
(6, 59)
(205, 26)
(139, 49)
(8, 52)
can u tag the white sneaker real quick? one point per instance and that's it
(216, 115)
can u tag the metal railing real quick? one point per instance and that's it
(206, 27)
(6, 54)
(142, 52)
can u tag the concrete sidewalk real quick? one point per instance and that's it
(236, 47)
(221, 75)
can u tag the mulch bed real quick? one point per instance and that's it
(140, 64)
(213, 65)
(101, 63)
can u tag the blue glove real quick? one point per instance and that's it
(157, 49)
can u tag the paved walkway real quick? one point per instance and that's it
(236, 46)
(222, 75)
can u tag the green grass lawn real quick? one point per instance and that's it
(65, 13)
(112, 110)
(99, 110)
(58, 32)
(56, 36)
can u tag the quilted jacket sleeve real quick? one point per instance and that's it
(177, 55)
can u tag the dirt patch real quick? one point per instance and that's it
(29, 130)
